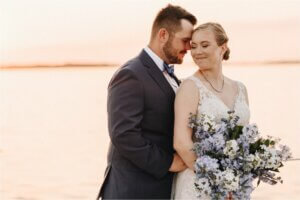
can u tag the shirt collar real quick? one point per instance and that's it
(157, 60)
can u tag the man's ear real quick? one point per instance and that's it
(163, 35)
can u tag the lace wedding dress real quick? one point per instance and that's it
(210, 104)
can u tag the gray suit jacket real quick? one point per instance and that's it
(140, 120)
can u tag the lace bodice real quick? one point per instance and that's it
(210, 104)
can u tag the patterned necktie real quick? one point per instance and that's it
(170, 70)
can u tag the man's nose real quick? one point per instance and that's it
(188, 46)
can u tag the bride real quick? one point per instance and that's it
(207, 91)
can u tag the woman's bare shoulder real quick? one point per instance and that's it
(188, 85)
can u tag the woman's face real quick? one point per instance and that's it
(205, 51)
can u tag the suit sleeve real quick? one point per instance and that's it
(125, 113)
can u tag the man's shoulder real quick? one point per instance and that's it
(134, 65)
(132, 68)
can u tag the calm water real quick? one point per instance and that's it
(54, 137)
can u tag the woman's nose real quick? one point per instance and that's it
(198, 51)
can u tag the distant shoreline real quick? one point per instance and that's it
(57, 66)
(80, 65)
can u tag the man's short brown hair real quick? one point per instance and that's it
(170, 18)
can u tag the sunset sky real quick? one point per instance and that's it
(112, 31)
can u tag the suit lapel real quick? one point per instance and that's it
(157, 75)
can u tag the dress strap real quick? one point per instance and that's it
(242, 90)
(195, 79)
(203, 93)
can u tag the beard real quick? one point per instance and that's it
(171, 53)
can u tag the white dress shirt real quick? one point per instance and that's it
(160, 64)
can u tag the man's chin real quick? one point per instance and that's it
(177, 59)
(180, 61)
(180, 58)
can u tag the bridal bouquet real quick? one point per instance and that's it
(230, 157)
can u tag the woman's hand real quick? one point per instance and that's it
(177, 165)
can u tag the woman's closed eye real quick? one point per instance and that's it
(204, 44)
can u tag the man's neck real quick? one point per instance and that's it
(158, 52)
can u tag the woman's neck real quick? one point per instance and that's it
(214, 74)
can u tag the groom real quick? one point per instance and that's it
(141, 159)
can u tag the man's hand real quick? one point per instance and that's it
(177, 165)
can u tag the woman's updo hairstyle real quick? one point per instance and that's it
(220, 35)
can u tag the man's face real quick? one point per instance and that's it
(178, 43)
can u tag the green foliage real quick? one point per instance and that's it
(255, 146)
(235, 132)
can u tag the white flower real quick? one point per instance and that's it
(270, 157)
(285, 152)
(208, 118)
(229, 180)
(218, 179)
(206, 127)
(231, 148)
(275, 139)
(256, 161)
(208, 123)
(252, 162)
(203, 188)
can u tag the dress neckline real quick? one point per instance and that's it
(218, 98)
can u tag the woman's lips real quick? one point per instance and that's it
(200, 58)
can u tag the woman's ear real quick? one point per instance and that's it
(224, 48)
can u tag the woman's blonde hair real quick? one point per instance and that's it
(220, 35)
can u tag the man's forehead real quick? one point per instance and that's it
(184, 34)
(186, 29)
(186, 24)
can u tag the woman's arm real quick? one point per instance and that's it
(186, 102)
